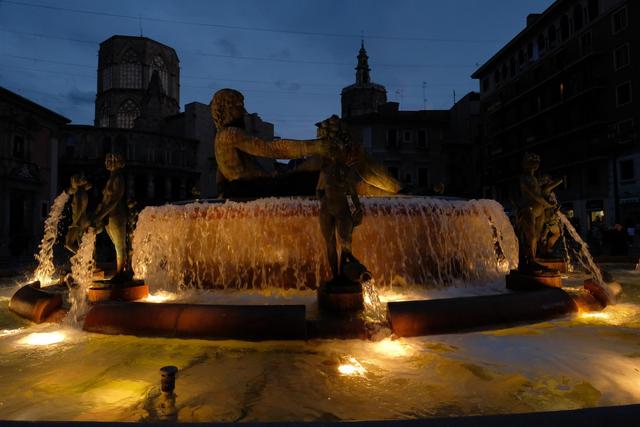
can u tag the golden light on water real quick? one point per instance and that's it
(351, 367)
(595, 315)
(43, 338)
(160, 297)
(6, 332)
(392, 348)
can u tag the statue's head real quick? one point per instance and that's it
(530, 162)
(113, 161)
(335, 129)
(227, 106)
(79, 181)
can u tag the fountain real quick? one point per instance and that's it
(255, 271)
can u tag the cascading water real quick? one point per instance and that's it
(45, 271)
(82, 265)
(583, 255)
(276, 243)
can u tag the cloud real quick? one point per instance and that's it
(81, 97)
(227, 47)
(289, 86)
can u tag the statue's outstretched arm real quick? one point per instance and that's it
(283, 148)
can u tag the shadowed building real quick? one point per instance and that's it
(428, 151)
(29, 135)
(563, 88)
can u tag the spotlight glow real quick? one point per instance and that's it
(351, 367)
(160, 297)
(43, 338)
(392, 348)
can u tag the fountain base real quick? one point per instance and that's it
(103, 291)
(340, 295)
(557, 264)
(518, 281)
(35, 304)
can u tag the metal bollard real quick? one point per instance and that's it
(167, 402)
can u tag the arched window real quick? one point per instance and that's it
(130, 71)
(594, 9)
(578, 18)
(503, 71)
(541, 43)
(127, 114)
(512, 66)
(158, 65)
(564, 27)
(552, 35)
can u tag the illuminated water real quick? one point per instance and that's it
(575, 362)
(266, 252)
(45, 271)
(82, 266)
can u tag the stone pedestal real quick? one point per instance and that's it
(518, 281)
(557, 264)
(103, 291)
(340, 295)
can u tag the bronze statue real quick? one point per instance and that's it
(336, 183)
(113, 209)
(79, 219)
(236, 150)
(530, 215)
(552, 228)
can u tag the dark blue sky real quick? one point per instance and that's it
(289, 58)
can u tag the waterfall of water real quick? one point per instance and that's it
(82, 265)
(277, 243)
(45, 271)
(583, 255)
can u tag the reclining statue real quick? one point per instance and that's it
(237, 151)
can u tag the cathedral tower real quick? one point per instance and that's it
(364, 96)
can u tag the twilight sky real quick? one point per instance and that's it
(290, 58)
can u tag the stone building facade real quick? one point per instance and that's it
(428, 151)
(29, 135)
(565, 88)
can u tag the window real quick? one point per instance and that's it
(70, 146)
(585, 43)
(626, 170)
(392, 138)
(158, 65)
(520, 58)
(503, 72)
(130, 71)
(103, 117)
(106, 78)
(367, 139)
(593, 9)
(18, 147)
(625, 131)
(406, 136)
(127, 114)
(496, 77)
(578, 20)
(407, 178)
(623, 94)
(619, 20)
(422, 138)
(393, 171)
(541, 43)
(512, 66)
(621, 57)
(486, 84)
(564, 28)
(530, 51)
(551, 35)
(423, 177)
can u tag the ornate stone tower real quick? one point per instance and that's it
(126, 67)
(364, 96)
